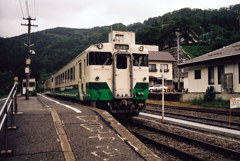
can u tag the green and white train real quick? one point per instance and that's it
(111, 75)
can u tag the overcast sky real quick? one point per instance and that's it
(89, 13)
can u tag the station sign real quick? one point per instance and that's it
(235, 103)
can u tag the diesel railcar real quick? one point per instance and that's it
(112, 75)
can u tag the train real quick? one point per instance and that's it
(112, 75)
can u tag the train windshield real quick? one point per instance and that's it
(140, 60)
(100, 58)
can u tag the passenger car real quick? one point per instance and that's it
(157, 87)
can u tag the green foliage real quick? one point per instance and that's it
(166, 35)
(208, 100)
(210, 94)
(217, 103)
(197, 101)
(33, 93)
(6, 81)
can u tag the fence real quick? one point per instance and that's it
(6, 111)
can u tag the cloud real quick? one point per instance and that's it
(89, 13)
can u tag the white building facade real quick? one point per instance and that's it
(220, 69)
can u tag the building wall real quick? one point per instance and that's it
(200, 85)
(168, 75)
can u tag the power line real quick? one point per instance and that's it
(32, 8)
(17, 9)
(21, 7)
(35, 9)
(27, 7)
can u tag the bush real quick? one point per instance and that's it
(33, 93)
(197, 101)
(210, 94)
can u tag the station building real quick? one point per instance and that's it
(219, 68)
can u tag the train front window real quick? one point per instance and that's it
(121, 62)
(140, 60)
(100, 58)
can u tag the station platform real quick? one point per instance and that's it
(204, 127)
(53, 129)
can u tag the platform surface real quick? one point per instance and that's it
(53, 129)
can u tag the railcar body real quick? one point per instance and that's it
(112, 75)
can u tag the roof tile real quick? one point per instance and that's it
(160, 56)
(233, 49)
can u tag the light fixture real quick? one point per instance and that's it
(141, 48)
(100, 46)
(97, 78)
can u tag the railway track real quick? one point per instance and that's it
(180, 146)
(202, 110)
(209, 121)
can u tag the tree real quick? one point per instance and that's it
(6, 82)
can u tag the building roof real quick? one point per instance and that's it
(160, 56)
(228, 52)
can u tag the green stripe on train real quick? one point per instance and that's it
(98, 91)
(67, 91)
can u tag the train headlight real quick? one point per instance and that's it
(141, 48)
(100, 46)
(144, 78)
(97, 78)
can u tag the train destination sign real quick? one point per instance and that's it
(235, 103)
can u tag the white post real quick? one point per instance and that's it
(162, 94)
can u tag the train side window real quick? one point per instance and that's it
(65, 76)
(84, 67)
(74, 73)
(71, 74)
(100, 58)
(121, 62)
(68, 75)
(140, 60)
(80, 70)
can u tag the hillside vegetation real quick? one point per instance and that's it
(201, 30)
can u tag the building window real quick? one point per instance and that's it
(220, 73)
(152, 68)
(210, 75)
(169, 82)
(165, 68)
(197, 74)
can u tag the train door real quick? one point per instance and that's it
(122, 75)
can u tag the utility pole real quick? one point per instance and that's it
(27, 69)
(178, 52)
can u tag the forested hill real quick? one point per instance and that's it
(55, 47)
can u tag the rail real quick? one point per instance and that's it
(7, 109)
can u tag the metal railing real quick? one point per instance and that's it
(7, 109)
